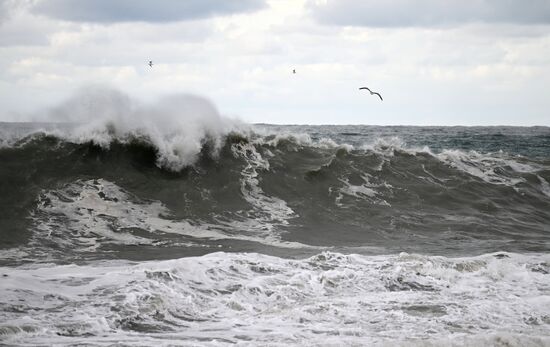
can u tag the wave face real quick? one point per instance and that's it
(168, 223)
(281, 190)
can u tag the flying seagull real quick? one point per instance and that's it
(372, 93)
(294, 71)
(150, 63)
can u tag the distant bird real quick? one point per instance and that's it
(372, 93)
(150, 63)
(293, 70)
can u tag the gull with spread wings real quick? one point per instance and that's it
(372, 93)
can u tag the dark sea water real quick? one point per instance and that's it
(213, 232)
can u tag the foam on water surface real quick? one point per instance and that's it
(94, 213)
(328, 299)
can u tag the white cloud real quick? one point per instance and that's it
(466, 74)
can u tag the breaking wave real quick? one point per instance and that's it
(152, 224)
(101, 185)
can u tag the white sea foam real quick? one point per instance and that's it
(544, 186)
(267, 211)
(90, 214)
(386, 145)
(299, 139)
(330, 299)
(94, 212)
(485, 166)
(368, 191)
(495, 168)
(177, 126)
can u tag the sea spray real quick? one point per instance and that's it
(179, 126)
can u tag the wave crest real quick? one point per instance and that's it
(179, 127)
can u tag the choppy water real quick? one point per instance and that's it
(215, 232)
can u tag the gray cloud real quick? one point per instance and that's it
(109, 11)
(427, 13)
(3, 11)
(7, 8)
(24, 33)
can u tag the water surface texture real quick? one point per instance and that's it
(215, 233)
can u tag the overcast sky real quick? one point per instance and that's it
(435, 62)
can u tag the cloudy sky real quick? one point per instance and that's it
(436, 62)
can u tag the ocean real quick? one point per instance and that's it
(205, 231)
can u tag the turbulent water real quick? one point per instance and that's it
(148, 226)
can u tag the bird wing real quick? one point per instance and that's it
(380, 96)
(364, 88)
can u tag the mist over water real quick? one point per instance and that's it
(167, 223)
